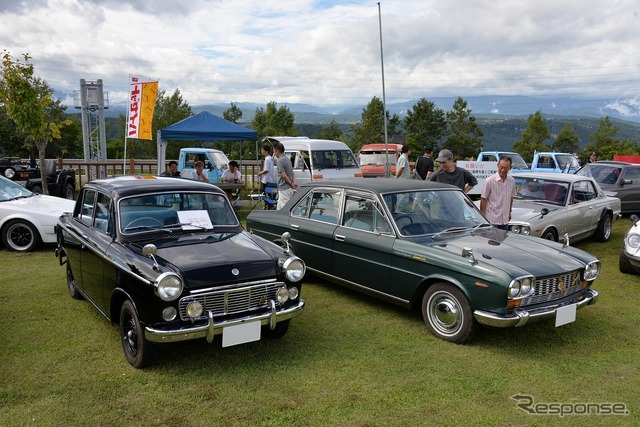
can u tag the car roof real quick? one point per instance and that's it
(380, 185)
(550, 176)
(128, 185)
(610, 162)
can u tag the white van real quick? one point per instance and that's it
(314, 159)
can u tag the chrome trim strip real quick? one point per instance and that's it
(231, 286)
(211, 329)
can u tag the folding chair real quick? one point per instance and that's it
(269, 196)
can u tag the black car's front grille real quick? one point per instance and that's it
(553, 288)
(232, 301)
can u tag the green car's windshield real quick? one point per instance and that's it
(186, 211)
(430, 212)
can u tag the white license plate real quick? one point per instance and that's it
(566, 314)
(240, 334)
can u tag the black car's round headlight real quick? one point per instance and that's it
(168, 286)
(294, 269)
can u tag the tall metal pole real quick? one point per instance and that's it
(384, 101)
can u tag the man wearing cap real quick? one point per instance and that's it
(497, 195)
(403, 170)
(424, 165)
(593, 157)
(449, 173)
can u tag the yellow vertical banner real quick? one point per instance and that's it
(142, 101)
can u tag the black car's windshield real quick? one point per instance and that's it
(431, 212)
(603, 174)
(541, 190)
(9, 190)
(171, 211)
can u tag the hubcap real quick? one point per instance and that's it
(445, 313)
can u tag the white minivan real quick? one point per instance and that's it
(314, 159)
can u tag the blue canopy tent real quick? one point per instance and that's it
(203, 126)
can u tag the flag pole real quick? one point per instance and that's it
(384, 103)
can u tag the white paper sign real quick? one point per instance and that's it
(198, 220)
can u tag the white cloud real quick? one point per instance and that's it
(328, 52)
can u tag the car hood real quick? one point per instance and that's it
(526, 211)
(40, 204)
(513, 253)
(218, 259)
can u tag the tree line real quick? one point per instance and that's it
(33, 123)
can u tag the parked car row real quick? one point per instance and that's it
(168, 260)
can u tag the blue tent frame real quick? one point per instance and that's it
(203, 126)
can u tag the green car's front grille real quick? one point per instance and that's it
(552, 288)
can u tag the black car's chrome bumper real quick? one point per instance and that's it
(522, 317)
(212, 329)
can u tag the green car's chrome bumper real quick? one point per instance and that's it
(521, 317)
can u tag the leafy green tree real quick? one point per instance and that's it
(424, 125)
(465, 134)
(29, 103)
(233, 113)
(567, 141)
(274, 121)
(604, 143)
(11, 140)
(532, 138)
(332, 132)
(370, 130)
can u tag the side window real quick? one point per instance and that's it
(86, 209)
(583, 191)
(103, 220)
(364, 213)
(319, 205)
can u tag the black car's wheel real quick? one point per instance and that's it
(624, 264)
(603, 233)
(550, 234)
(69, 191)
(36, 189)
(136, 348)
(280, 330)
(20, 236)
(447, 313)
(71, 284)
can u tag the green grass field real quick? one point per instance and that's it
(349, 360)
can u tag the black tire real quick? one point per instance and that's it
(69, 191)
(280, 330)
(624, 264)
(137, 349)
(550, 234)
(448, 314)
(603, 233)
(36, 189)
(71, 284)
(20, 236)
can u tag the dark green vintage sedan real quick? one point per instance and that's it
(425, 245)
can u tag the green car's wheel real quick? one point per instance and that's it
(447, 313)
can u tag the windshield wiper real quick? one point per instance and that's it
(185, 224)
(481, 225)
(450, 230)
(147, 227)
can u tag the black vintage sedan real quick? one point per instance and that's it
(167, 260)
(426, 245)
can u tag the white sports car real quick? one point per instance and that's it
(630, 252)
(26, 219)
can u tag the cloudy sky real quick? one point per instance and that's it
(327, 52)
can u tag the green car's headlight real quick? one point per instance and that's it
(521, 287)
(168, 286)
(592, 270)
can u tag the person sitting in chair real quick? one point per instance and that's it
(233, 173)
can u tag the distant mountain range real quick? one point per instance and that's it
(488, 107)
